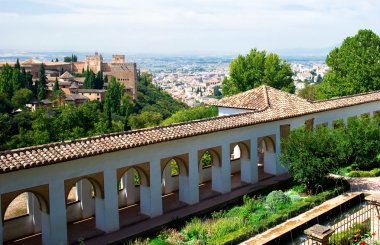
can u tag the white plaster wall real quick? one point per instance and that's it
(223, 111)
(270, 163)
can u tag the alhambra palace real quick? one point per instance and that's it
(86, 188)
(72, 86)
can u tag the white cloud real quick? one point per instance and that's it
(171, 26)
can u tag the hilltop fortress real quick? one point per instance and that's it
(126, 73)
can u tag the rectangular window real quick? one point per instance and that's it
(284, 134)
(309, 124)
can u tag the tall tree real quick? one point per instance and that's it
(114, 94)
(41, 88)
(16, 81)
(354, 66)
(5, 81)
(55, 86)
(255, 69)
(17, 65)
(89, 81)
(99, 83)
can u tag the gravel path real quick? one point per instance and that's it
(369, 185)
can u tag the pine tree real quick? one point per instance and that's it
(41, 88)
(56, 60)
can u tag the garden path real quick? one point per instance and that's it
(369, 185)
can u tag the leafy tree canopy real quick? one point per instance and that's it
(354, 66)
(189, 114)
(255, 69)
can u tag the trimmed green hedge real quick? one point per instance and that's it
(361, 173)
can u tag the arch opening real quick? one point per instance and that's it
(23, 216)
(267, 156)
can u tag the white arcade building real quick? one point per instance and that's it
(110, 181)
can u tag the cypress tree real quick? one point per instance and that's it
(56, 86)
(41, 88)
(17, 65)
(16, 80)
(5, 81)
(99, 80)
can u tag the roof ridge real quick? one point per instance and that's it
(345, 96)
(266, 97)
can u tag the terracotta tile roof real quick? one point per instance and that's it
(66, 75)
(281, 105)
(254, 99)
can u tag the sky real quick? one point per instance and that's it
(216, 27)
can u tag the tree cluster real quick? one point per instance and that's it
(311, 154)
(67, 122)
(16, 88)
(190, 114)
(94, 81)
(255, 69)
(72, 58)
(354, 67)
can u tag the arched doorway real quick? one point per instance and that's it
(83, 201)
(174, 172)
(132, 183)
(240, 164)
(267, 156)
(208, 160)
(24, 214)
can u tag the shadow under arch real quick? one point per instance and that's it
(42, 203)
(98, 192)
(144, 180)
(269, 144)
(215, 158)
(183, 169)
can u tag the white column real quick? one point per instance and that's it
(107, 212)
(249, 167)
(35, 211)
(130, 188)
(54, 226)
(221, 175)
(1, 224)
(189, 184)
(151, 198)
(85, 197)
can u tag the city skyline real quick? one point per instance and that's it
(194, 27)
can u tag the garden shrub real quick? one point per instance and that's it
(275, 199)
(195, 230)
(376, 172)
(360, 173)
